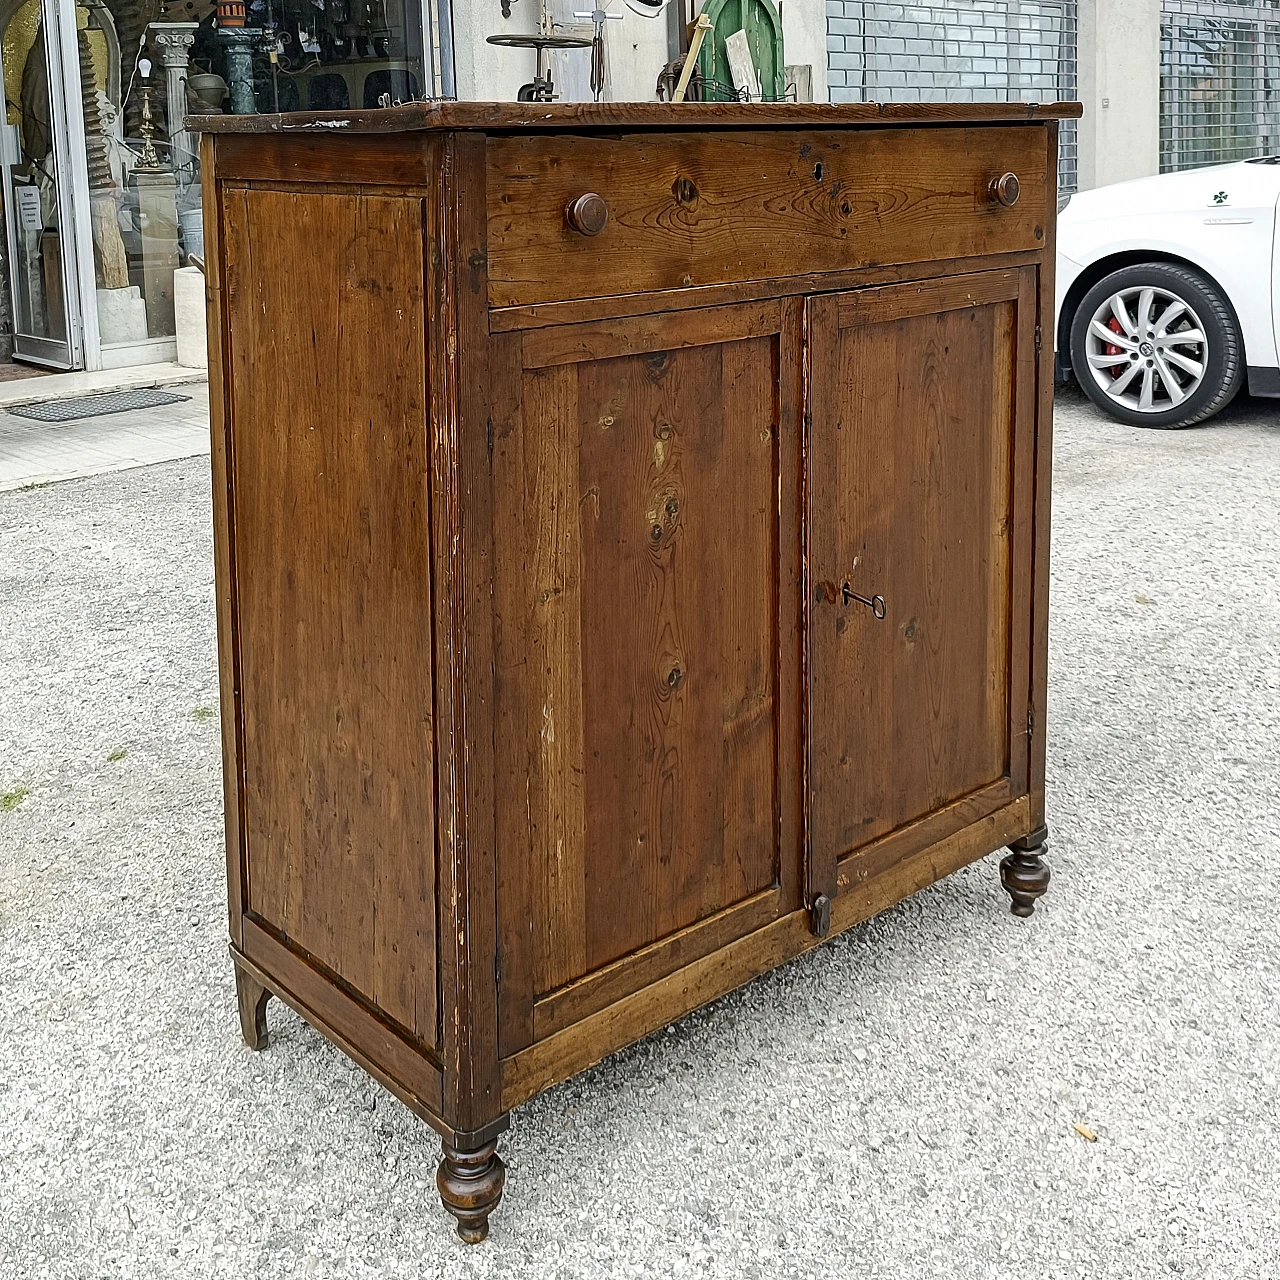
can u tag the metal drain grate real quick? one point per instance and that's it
(95, 406)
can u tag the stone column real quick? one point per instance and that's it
(1118, 69)
(240, 42)
(174, 41)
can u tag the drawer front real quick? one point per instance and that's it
(712, 208)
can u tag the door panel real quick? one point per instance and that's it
(919, 476)
(637, 588)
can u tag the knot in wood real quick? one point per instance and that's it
(684, 190)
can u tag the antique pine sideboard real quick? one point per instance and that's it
(632, 560)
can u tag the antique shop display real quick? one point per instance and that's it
(540, 88)
(631, 529)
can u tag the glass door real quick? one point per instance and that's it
(44, 277)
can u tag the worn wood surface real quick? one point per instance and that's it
(915, 428)
(331, 558)
(1042, 523)
(576, 1047)
(542, 723)
(637, 599)
(602, 987)
(464, 541)
(318, 997)
(222, 469)
(614, 306)
(870, 860)
(554, 116)
(710, 208)
(372, 159)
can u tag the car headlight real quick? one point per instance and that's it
(1064, 200)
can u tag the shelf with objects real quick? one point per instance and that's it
(313, 55)
(103, 226)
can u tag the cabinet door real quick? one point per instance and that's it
(648, 648)
(919, 478)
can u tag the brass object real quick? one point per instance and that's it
(148, 159)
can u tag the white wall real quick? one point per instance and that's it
(804, 39)
(637, 49)
(1118, 72)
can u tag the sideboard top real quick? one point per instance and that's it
(414, 117)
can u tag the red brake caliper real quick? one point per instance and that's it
(1112, 350)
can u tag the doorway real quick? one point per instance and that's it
(101, 194)
(43, 268)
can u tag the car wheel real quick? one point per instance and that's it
(1156, 345)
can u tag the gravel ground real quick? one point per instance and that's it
(899, 1103)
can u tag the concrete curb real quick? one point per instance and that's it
(66, 386)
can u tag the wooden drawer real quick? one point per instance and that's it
(711, 208)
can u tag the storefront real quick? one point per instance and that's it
(101, 183)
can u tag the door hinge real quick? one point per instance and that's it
(1037, 339)
(497, 970)
(1031, 719)
(820, 916)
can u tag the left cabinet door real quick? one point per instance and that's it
(646, 562)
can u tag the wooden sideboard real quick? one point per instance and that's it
(631, 526)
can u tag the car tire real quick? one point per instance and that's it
(1158, 378)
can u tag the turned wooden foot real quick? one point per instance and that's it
(252, 998)
(1024, 872)
(470, 1184)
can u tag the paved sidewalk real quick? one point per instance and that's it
(34, 453)
(897, 1105)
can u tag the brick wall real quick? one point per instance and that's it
(974, 51)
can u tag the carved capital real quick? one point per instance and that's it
(174, 41)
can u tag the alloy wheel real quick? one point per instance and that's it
(1146, 348)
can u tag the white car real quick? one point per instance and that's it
(1168, 292)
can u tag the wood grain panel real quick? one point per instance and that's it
(1037, 710)
(913, 441)
(221, 463)
(700, 209)
(346, 1019)
(552, 117)
(578, 1046)
(308, 159)
(545, 315)
(556, 778)
(637, 596)
(602, 987)
(659, 331)
(677, 544)
(332, 568)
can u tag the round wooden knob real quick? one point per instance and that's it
(587, 214)
(1005, 189)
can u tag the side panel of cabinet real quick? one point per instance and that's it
(920, 484)
(327, 534)
(647, 649)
